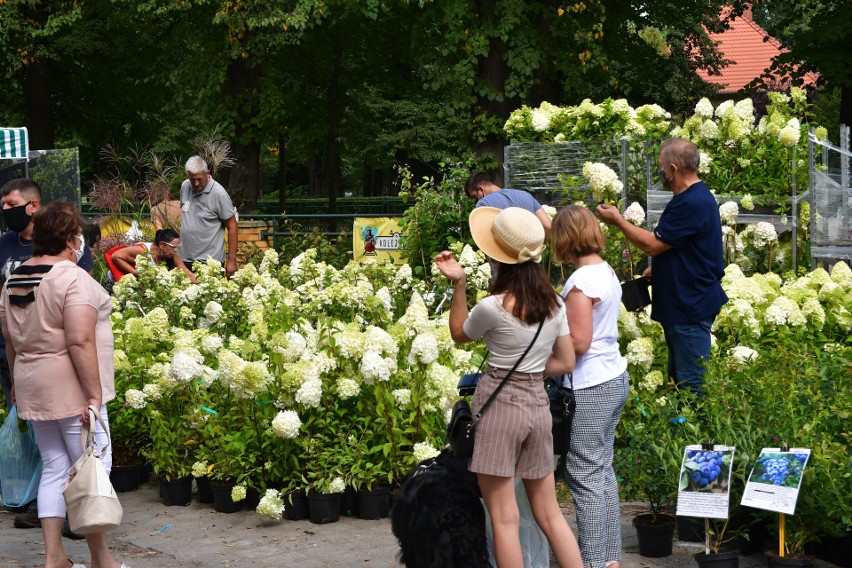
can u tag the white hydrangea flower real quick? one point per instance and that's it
(540, 120)
(310, 393)
(603, 181)
(374, 368)
(742, 356)
(640, 352)
(635, 214)
(549, 210)
(424, 349)
(337, 485)
(789, 136)
(135, 398)
(286, 424)
(211, 344)
(704, 108)
(709, 130)
(199, 469)
(271, 504)
(347, 388)
(704, 163)
(424, 451)
(651, 381)
(153, 391)
(186, 366)
(238, 493)
(724, 107)
(402, 397)
(385, 296)
(728, 212)
(747, 202)
(764, 234)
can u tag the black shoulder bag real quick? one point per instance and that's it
(562, 408)
(462, 426)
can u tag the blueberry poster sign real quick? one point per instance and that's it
(775, 480)
(705, 476)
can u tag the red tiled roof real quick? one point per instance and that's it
(743, 43)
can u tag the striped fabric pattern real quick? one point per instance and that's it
(14, 143)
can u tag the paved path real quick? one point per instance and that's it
(199, 537)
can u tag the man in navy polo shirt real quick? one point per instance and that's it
(686, 247)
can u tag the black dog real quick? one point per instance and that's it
(438, 517)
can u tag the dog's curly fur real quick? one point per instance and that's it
(438, 518)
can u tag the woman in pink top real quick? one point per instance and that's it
(59, 344)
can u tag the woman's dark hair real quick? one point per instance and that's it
(165, 235)
(54, 225)
(535, 298)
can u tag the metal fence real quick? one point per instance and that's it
(831, 200)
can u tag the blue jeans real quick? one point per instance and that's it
(689, 349)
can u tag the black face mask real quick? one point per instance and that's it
(661, 174)
(17, 218)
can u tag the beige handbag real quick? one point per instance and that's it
(90, 498)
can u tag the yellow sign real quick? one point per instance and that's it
(377, 237)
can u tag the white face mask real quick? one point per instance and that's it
(78, 252)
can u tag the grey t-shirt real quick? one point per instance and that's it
(203, 216)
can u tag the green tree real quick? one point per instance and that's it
(817, 35)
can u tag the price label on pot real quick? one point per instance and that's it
(705, 477)
(775, 480)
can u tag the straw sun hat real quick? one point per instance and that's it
(510, 236)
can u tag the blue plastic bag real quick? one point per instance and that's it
(20, 461)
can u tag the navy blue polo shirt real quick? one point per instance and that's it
(686, 278)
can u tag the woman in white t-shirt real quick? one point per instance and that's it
(601, 383)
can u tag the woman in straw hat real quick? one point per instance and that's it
(513, 438)
(601, 383)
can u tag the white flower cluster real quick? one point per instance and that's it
(603, 181)
(310, 393)
(135, 398)
(424, 451)
(764, 234)
(271, 504)
(640, 352)
(728, 212)
(424, 349)
(651, 381)
(199, 469)
(337, 485)
(286, 424)
(402, 397)
(374, 367)
(635, 214)
(238, 493)
(789, 135)
(347, 388)
(742, 356)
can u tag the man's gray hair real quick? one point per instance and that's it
(196, 165)
(683, 153)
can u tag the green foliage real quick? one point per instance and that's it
(438, 217)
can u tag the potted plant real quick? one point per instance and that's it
(655, 433)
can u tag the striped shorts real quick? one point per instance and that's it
(514, 436)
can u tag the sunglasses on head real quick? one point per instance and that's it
(170, 244)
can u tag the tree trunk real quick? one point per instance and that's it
(332, 157)
(39, 105)
(492, 71)
(281, 175)
(244, 181)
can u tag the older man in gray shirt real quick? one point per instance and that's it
(206, 211)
